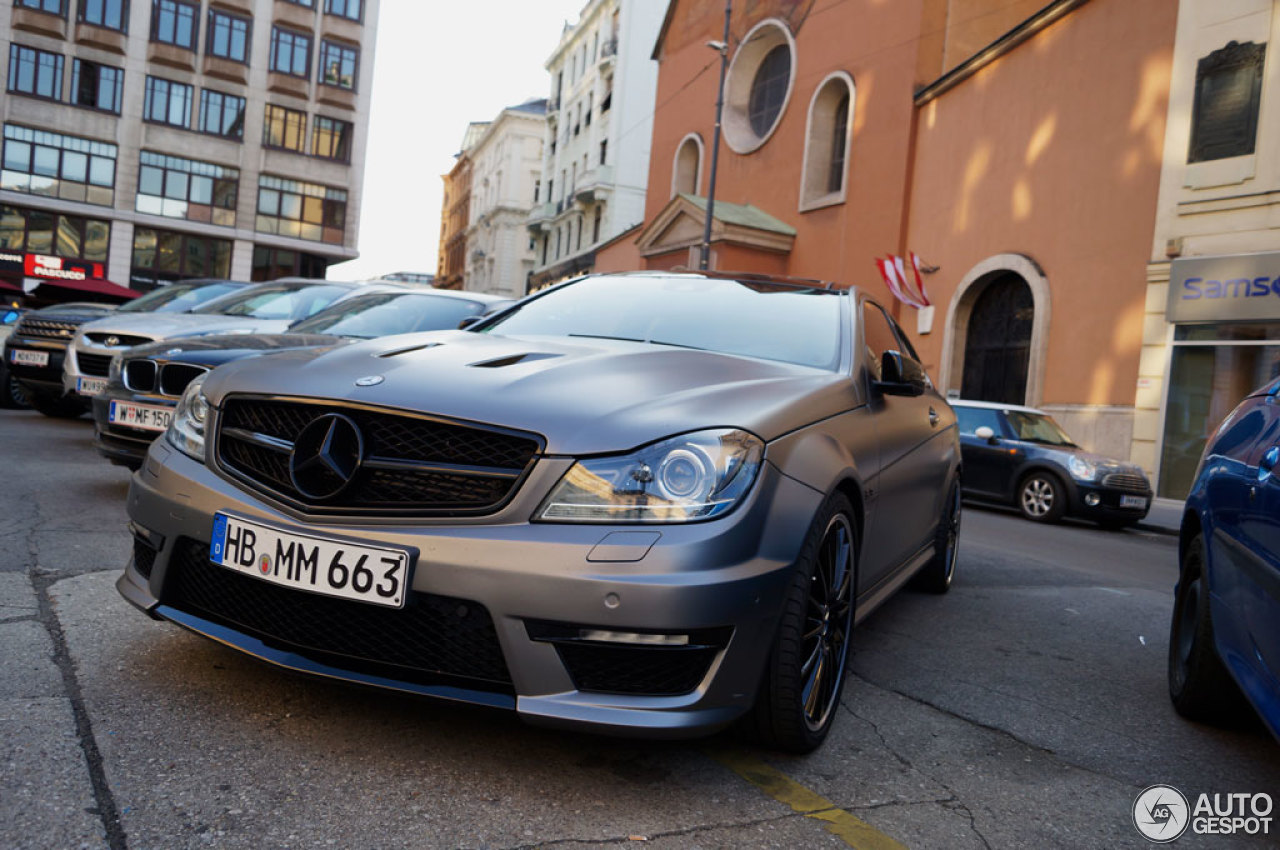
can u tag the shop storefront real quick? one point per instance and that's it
(1225, 313)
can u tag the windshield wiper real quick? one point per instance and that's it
(633, 339)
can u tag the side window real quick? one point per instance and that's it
(907, 348)
(971, 419)
(877, 336)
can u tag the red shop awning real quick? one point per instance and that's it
(6, 285)
(95, 285)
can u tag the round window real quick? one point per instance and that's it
(758, 85)
(769, 90)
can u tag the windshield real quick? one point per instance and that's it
(178, 297)
(1036, 428)
(285, 301)
(790, 324)
(387, 313)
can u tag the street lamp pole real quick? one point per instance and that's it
(723, 47)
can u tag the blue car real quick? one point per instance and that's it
(1225, 636)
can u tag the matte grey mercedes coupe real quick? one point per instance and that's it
(647, 504)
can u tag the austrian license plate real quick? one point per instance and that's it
(26, 357)
(1133, 501)
(146, 417)
(90, 386)
(334, 567)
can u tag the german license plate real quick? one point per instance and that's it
(1133, 501)
(90, 386)
(145, 417)
(25, 357)
(334, 567)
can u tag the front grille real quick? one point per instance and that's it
(97, 365)
(1126, 481)
(412, 465)
(48, 328)
(431, 638)
(140, 375)
(121, 340)
(174, 377)
(638, 670)
(144, 557)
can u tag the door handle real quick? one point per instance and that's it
(933, 417)
(1268, 463)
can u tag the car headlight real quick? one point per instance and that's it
(1085, 470)
(117, 365)
(186, 432)
(694, 476)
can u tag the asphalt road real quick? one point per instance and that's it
(1027, 708)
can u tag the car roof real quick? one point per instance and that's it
(992, 405)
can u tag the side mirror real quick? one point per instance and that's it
(900, 375)
(985, 433)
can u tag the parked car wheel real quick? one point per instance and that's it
(800, 691)
(935, 577)
(58, 408)
(1199, 684)
(13, 395)
(1041, 497)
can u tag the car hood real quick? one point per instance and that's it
(166, 325)
(1106, 465)
(582, 396)
(223, 348)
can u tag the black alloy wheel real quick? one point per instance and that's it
(801, 688)
(1199, 685)
(1041, 497)
(936, 576)
(13, 395)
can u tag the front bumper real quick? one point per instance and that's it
(1106, 502)
(721, 582)
(45, 379)
(117, 443)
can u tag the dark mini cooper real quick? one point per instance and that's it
(649, 503)
(1021, 456)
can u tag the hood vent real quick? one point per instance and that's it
(396, 352)
(512, 360)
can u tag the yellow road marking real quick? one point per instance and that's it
(853, 831)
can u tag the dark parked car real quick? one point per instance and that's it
(12, 395)
(649, 504)
(146, 381)
(1225, 637)
(35, 350)
(1021, 456)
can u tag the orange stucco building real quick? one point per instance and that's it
(1014, 145)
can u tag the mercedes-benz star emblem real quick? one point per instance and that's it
(369, 381)
(326, 456)
(112, 341)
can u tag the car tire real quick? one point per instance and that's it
(1199, 685)
(57, 408)
(1041, 497)
(936, 576)
(13, 396)
(799, 694)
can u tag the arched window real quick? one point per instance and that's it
(758, 85)
(826, 151)
(686, 169)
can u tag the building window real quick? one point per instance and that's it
(53, 7)
(301, 210)
(686, 170)
(228, 36)
(96, 86)
(290, 52)
(112, 14)
(343, 8)
(1224, 116)
(595, 224)
(163, 256)
(58, 166)
(331, 138)
(42, 232)
(310, 4)
(274, 263)
(284, 128)
(168, 102)
(35, 72)
(222, 114)
(338, 65)
(174, 22)
(826, 150)
(604, 151)
(758, 85)
(186, 188)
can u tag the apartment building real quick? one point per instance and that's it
(147, 142)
